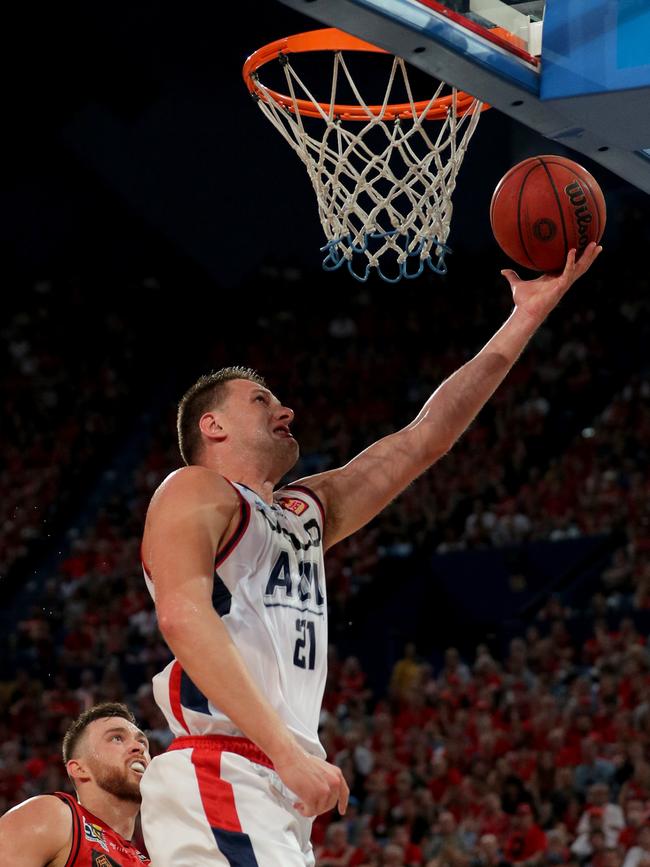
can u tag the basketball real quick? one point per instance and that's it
(543, 207)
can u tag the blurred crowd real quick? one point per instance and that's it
(66, 386)
(537, 754)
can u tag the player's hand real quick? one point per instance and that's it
(318, 785)
(539, 296)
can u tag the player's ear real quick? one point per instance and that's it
(212, 426)
(78, 771)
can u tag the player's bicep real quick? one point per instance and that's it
(355, 493)
(35, 832)
(187, 519)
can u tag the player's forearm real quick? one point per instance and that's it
(203, 647)
(453, 406)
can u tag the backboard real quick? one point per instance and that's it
(576, 71)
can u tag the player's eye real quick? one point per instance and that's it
(261, 397)
(116, 738)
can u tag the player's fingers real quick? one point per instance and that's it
(570, 262)
(591, 253)
(511, 276)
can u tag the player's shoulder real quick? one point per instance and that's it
(46, 817)
(195, 484)
(41, 806)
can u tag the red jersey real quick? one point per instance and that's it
(94, 844)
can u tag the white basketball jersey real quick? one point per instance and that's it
(269, 589)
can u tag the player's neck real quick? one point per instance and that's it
(245, 471)
(262, 487)
(118, 814)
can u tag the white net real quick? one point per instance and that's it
(383, 180)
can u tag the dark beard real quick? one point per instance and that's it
(116, 783)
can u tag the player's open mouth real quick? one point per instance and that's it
(139, 767)
(283, 431)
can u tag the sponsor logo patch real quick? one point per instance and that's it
(95, 834)
(293, 504)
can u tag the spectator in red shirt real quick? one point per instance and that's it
(527, 842)
(639, 855)
(337, 851)
(597, 849)
(612, 857)
(635, 816)
(412, 853)
(492, 819)
(444, 780)
(367, 849)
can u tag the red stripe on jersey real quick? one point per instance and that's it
(175, 694)
(217, 795)
(223, 744)
(242, 526)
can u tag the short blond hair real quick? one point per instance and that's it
(208, 392)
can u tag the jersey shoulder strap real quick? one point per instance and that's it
(76, 826)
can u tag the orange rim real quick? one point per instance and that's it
(331, 39)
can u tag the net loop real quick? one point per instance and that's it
(334, 259)
(382, 174)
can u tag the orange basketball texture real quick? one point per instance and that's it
(542, 208)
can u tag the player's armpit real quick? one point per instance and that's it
(36, 833)
(189, 518)
(355, 493)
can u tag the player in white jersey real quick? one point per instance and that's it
(237, 574)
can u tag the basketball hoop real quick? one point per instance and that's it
(383, 183)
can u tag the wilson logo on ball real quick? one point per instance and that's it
(578, 201)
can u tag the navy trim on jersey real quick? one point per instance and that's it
(293, 607)
(236, 846)
(308, 491)
(76, 828)
(191, 696)
(221, 596)
(244, 518)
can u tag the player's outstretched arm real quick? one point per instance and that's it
(190, 516)
(356, 492)
(36, 833)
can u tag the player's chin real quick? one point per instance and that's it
(131, 792)
(122, 786)
(290, 452)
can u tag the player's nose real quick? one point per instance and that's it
(286, 414)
